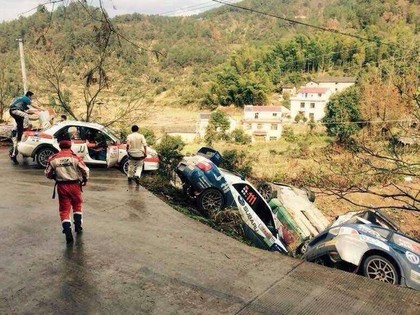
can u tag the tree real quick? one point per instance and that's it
(386, 173)
(8, 88)
(217, 128)
(342, 116)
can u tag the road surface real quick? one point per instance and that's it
(140, 256)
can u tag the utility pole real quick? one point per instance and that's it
(22, 64)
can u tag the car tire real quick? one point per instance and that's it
(380, 268)
(123, 165)
(310, 194)
(210, 201)
(265, 190)
(43, 154)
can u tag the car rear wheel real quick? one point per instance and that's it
(124, 165)
(379, 268)
(211, 200)
(43, 155)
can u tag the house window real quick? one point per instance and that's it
(256, 115)
(259, 126)
(311, 116)
(302, 105)
(312, 105)
(274, 114)
(319, 94)
(274, 127)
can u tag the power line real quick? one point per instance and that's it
(303, 23)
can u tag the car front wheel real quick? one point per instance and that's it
(43, 155)
(211, 200)
(379, 268)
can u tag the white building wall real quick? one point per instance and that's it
(312, 105)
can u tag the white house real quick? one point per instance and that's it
(203, 122)
(311, 100)
(263, 122)
(336, 84)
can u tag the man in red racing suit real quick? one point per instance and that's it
(70, 173)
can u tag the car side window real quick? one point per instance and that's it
(382, 232)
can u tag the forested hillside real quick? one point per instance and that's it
(76, 55)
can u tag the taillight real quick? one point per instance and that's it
(204, 166)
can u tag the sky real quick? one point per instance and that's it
(13, 9)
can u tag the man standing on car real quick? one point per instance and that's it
(70, 174)
(19, 111)
(136, 151)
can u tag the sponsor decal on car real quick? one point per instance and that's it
(413, 258)
(368, 230)
(249, 196)
(373, 241)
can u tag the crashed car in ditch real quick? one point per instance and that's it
(370, 244)
(96, 144)
(215, 188)
(295, 208)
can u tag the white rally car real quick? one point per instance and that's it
(96, 144)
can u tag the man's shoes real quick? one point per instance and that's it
(137, 180)
(130, 180)
(78, 229)
(14, 159)
(69, 236)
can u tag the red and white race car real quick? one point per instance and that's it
(96, 144)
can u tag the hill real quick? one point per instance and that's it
(224, 56)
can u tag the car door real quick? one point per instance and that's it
(112, 151)
(78, 145)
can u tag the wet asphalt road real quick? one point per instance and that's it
(139, 256)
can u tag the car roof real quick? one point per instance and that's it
(60, 125)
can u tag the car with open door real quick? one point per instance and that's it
(94, 143)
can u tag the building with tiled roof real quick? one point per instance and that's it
(311, 100)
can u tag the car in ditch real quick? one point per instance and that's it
(368, 243)
(215, 188)
(96, 144)
(295, 208)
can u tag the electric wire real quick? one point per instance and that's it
(304, 24)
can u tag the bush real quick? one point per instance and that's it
(237, 161)
(239, 136)
(149, 135)
(289, 135)
(169, 150)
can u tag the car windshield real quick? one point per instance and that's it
(109, 133)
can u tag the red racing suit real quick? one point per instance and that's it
(69, 172)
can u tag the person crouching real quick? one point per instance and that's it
(70, 174)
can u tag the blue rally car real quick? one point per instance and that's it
(215, 188)
(368, 243)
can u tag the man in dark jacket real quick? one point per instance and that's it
(69, 173)
(19, 111)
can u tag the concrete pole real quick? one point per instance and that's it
(22, 64)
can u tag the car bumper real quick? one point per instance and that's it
(25, 149)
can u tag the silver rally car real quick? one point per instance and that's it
(370, 244)
(96, 144)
